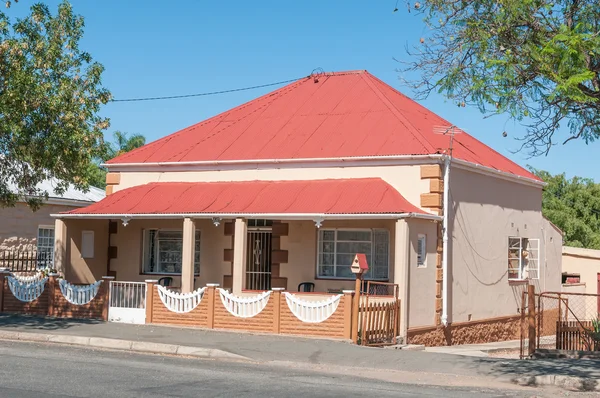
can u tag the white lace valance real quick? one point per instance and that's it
(312, 311)
(26, 291)
(180, 302)
(244, 307)
(79, 294)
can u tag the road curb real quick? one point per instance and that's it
(122, 345)
(573, 383)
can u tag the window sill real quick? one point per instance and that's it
(163, 274)
(333, 278)
(518, 281)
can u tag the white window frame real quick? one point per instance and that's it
(87, 251)
(422, 256)
(145, 231)
(529, 264)
(45, 248)
(372, 231)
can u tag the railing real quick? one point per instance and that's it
(577, 335)
(128, 295)
(25, 261)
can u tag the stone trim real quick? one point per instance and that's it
(474, 332)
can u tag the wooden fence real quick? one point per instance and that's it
(379, 322)
(576, 335)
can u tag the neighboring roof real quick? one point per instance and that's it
(580, 252)
(345, 114)
(346, 196)
(72, 194)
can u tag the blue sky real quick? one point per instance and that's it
(158, 48)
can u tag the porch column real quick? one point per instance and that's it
(187, 256)
(239, 255)
(401, 271)
(60, 246)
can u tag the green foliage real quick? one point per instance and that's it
(123, 143)
(573, 205)
(535, 60)
(50, 96)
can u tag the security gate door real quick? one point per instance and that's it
(258, 259)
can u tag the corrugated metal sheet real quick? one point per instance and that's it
(93, 195)
(346, 196)
(346, 114)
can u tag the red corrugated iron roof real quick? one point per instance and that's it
(345, 196)
(345, 114)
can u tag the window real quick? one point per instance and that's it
(523, 258)
(87, 244)
(163, 251)
(422, 251)
(45, 246)
(337, 248)
(253, 223)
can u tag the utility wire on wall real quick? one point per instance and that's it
(206, 93)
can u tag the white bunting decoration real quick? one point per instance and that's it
(312, 311)
(180, 302)
(244, 307)
(27, 279)
(26, 291)
(79, 294)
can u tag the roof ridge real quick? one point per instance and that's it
(398, 113)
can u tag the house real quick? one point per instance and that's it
(581, 276)
(283, 191)
(27, 236)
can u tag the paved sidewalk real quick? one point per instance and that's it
(324, 354)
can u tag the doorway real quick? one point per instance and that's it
(258, 256)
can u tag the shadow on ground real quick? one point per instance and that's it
(24, 322)
(588, 370)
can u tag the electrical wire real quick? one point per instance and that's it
(207, 93)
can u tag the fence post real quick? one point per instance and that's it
(277, 309)
(51, 293)
(106, 296)
(348, 296)
(531, 315)
(3, 273)
(355, 307)
(150, 298)
(211, 295)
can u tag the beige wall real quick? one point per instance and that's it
(422, 280)
(485, 212)
(19, 225)
(128, 240)
(586, 263)
(301, 244)
(86, 270)
(406, 179)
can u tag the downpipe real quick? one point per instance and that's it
(445, 210)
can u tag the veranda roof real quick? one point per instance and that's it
(310, 198)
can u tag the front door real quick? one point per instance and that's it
(258, 259)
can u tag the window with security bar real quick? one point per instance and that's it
(163, 251)
(523, 258)
(337, 248)
(45, 247)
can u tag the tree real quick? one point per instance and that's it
(537, 61)
(50, 95)
(123, 143)
(573, 205)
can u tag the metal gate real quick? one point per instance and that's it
(127, 302)
(258, 259)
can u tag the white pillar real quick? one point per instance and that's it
(401, 271)
(187, 256)
(60, 246)
(239, 255)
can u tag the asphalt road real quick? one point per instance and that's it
(47, 370)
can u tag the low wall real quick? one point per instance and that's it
(476, 332)
(264, 312)
(51, 302)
